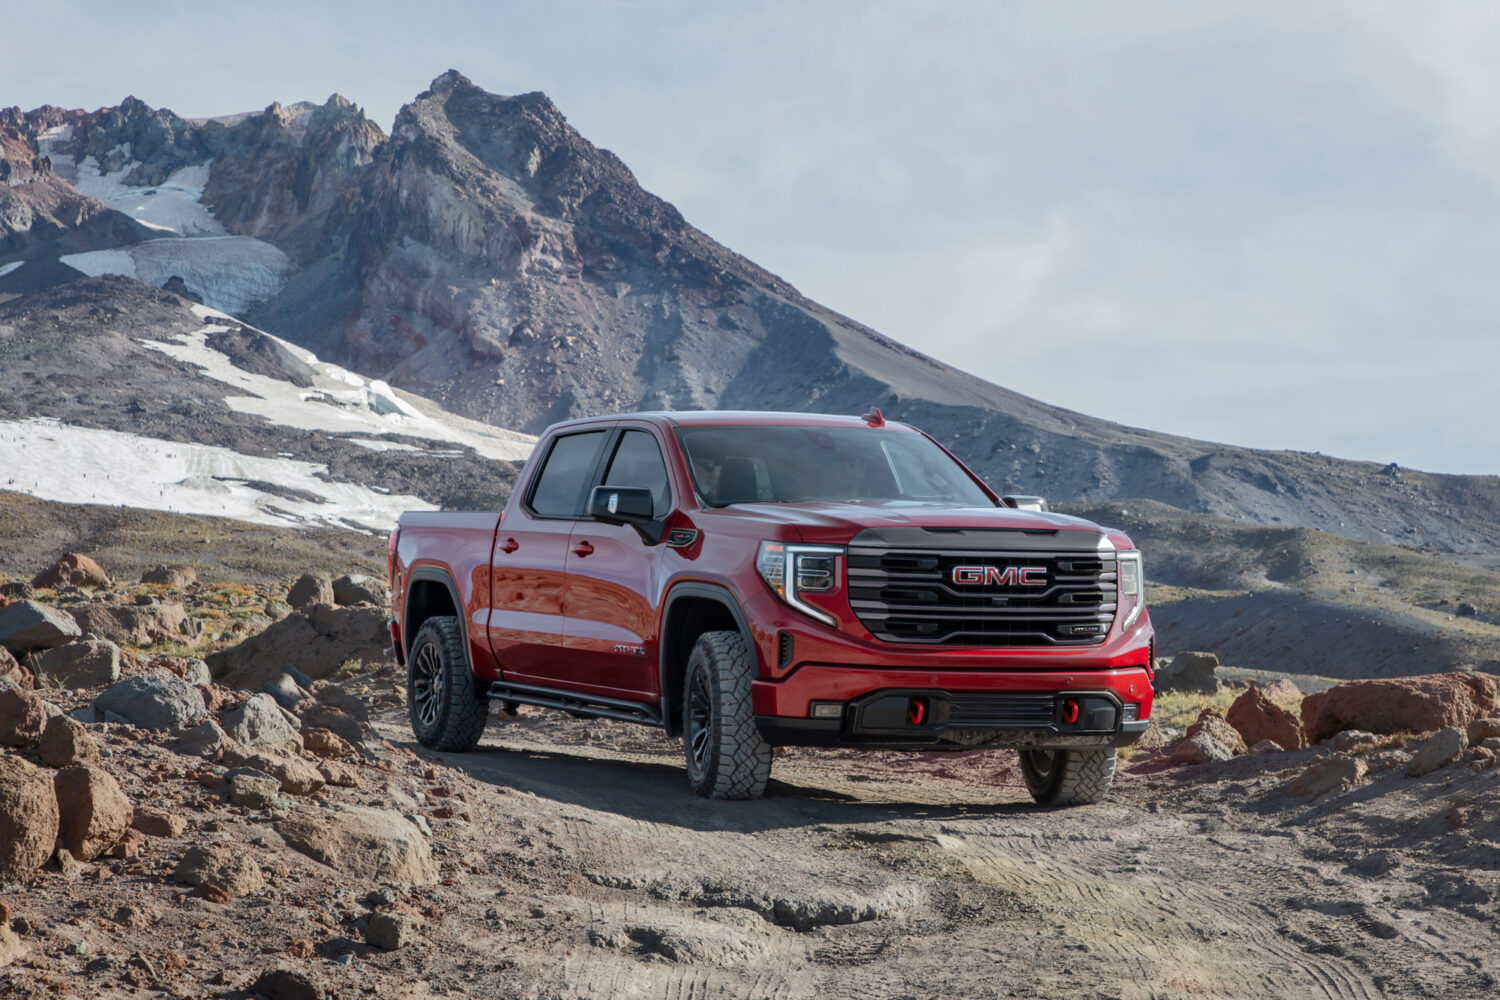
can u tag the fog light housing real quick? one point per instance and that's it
(825, 710)
(1132, 712)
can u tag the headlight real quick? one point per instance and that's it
(1132, 585)
(793, 570)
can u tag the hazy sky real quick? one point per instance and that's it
(1272, 224)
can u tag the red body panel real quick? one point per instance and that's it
(543, 608)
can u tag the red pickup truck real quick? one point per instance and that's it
(753, 580)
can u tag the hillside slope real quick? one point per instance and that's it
(489, 257)
(114, 392)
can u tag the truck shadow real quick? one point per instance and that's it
(654, 792)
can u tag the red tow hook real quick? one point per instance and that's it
(1070, 711)
(916, 711)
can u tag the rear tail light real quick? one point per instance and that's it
(390, 554)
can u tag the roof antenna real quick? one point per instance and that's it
(875, 418)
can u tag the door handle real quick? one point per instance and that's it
(509, 545)
(582, 549)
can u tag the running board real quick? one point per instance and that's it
(591, 705)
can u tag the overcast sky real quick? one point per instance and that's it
(1271, 224)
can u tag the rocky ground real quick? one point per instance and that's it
(239, 830)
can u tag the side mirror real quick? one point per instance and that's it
(632, 505)
(1025, 502)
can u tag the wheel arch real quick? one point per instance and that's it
(431, 593)
(690, 610)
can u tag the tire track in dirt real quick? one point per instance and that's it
(924, 885)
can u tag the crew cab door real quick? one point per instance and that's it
(528, 565)
(613, 581)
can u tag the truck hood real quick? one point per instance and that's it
(836, 523)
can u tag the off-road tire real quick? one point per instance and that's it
(727, 758)
(1068, 777)
(446, 706)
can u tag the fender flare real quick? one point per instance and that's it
(436, 575)
(710, 591)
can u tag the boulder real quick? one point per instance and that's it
(151, 702)
(1189, 671)
(1218, 727)
(293, 775)
(27, 625)
(138, 625)
(156, 822)
(88, 663)
(1349, 740)
(171, 576)
(66, 742)
(228, 867)
(72, 570)
(1399, 705)
(285, 690)
(318, 643)
(1336, 773)
(189, 668)
(374, 844)
(1479, 730)
(92, 810)
(287, 984)
(325, 743)
(1266, 746)
(252, 789)
(1200, 748)
(334, 720)
(28, 818)
(339, 774)
(202, 740)
(389, 931)
(356, 588)
(310, 589)
(261, 722)
(1256, 717)
(22, 716)
(12, 672)
(1283, 690)
(1442, 747)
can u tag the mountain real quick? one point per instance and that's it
(487, 256)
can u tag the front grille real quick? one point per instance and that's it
(1024, 711)
(910, 596)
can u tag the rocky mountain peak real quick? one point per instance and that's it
(445, 83)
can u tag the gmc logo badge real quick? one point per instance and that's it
(994, 576)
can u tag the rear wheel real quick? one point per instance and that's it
(447, 708)
(1068, 777)
(727, 758)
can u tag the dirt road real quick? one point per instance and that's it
(596, 874)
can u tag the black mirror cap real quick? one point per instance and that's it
(622, 505)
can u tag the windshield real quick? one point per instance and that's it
(770, 464)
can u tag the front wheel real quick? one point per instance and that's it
(1068, 777)
(448, 710)
(727, 758)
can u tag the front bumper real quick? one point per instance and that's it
(911, 710)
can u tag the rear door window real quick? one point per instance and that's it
(565, 473)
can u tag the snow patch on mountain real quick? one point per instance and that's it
(12, 266)
(56, 461)
(338, 402)
(172, 207)
(229, 273)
